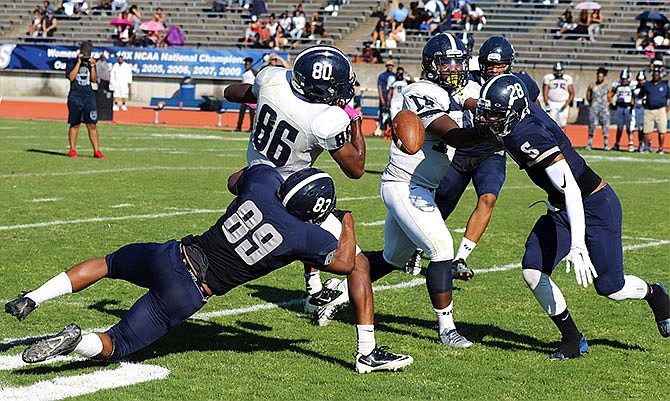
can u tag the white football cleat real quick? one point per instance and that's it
(326, 313)
(453, 339)
(381, 359)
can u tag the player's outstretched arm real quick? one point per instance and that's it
(445, 128)
(239, 93)
(351, 156)
(344, 257)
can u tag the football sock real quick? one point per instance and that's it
(57, 286)
(465, 249)
(606, 142)
(313, 282)
(445, 318)
(567, 327)
(590, 142)
(633, 288)
(366, 338)
(658, 302)
(89, 346)
(378, 266)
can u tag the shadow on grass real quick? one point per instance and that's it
(47, 152)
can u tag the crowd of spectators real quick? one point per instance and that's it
(287, 30)
(653, 38)
(584, 27)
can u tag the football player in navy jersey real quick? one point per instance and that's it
(583, 223)
(270, 224)
(483, 164)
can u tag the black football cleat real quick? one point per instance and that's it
(61, 344)
(381, 359)
(567, 351)
(312, 302)
(461, 271)
(21, 306)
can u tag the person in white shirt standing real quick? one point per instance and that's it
(248, 77)
(558, 93)
(396, 85)
(120, 80)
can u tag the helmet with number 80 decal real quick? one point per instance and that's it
(496, 52)
(444, 61)
(323, 74)
(502, 104)
(308, 194)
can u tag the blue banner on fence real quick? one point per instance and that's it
(215, 64)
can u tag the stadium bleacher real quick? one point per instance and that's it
(529, 25)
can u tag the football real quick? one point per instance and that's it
(408, 132)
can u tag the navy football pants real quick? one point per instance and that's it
(172, 298)
(549, 241)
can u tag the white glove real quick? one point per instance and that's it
(581, 262)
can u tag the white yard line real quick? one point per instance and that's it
(113, 171)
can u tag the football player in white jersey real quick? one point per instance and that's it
(558, 93)
(624, 102)
(301, 113)
(409, 181)
(396, 85)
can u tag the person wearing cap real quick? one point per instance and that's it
(656, 107)
(623, 101)
(248, 77)
(638, 109)
(81, 103)
(382, 92)
(49, 24)
(599, 97)
(558, 94)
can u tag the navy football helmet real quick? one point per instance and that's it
(558, 70)
(502, 104)
(445, 61)
(495, 52)
(625, 74)
(308, 194)
(323, 74)
(641, 76)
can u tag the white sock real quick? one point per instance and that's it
(313, 282)
(89, 346)
(57, 286)
(366, 338)
(445, 318)
(633, 288)
(465, 249)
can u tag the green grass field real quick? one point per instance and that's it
(161, 183)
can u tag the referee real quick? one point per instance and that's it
(81, 104)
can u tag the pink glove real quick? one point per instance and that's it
(252, 105)
(351, 112)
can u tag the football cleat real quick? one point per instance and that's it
(461, 271)
(326, 313)
(312, 302)
(561, 354)
(21, 306)
(381, 359)
(414, 265)
(664, 325)
(453, 339)
(61, 344)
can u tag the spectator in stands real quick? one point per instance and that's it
(258, 8)
(280, 38)
(150, 39)
(368, 55)
(218, 6)
(248, 77)
(46, 7)
(49, 25)
(398, 35)
(299, 23)
(264, 39)
(159, 16)
(583, 22)
(317, 27)
(36, 24)
(102, 6)
(249, 34)
(594, 28)
(135, 16)
(103, 69)
(379, 34)
(398, 15)
(435, 11)
(299, 9)
(125, 35)
(119, 5)
(120, 80)
(81, 104)
(382, 93)
(599, 97)
(285, 22)
(413, 19)
(272, 25)
(565, 22)
(475, 18)
(656, 107)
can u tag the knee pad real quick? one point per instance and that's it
(532, 277)
(633, 288)
(438, 277)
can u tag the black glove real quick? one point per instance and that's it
(339, 214)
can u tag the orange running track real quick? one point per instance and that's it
(57, 111)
